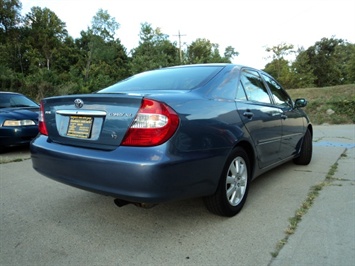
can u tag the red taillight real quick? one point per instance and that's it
(154, 124)
(41, 124)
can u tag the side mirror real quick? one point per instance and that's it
(300, 102)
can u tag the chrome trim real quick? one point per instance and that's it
(81, 112)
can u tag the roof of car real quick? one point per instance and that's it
(232, 65)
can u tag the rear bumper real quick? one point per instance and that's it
(150, 175)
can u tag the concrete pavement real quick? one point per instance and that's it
(43, 222)
(326, 234)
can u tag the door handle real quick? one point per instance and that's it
(248, 114)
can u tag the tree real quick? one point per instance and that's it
(324, 62)
(103, 60)
(199, 51)
(154, 50)
(302, 71)
(104, 25)
(230, 52)
(344, 55)
(203, 51)
(279, 68)
(279, 52)
(48, 33)
(10, 44)
(10, 15)
(350, 66)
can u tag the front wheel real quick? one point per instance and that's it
(233, 187)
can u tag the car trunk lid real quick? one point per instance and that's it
(94, 121)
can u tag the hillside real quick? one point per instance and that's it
(332, 105)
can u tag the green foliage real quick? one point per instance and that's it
(9, 15)
(154, 51)
(327, 58)
(47, 34)
(302, 71)
(279, 65)
(104, 25)
(203, 51)
(40, 84)
(230, 52)
(345, 55)
(39, 58)
(280, 51)
(329, 62)
(279, 69)
(100, 60)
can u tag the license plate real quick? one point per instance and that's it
(80, 127)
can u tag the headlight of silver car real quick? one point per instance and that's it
(18, 123)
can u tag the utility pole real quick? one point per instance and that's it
(180, 52)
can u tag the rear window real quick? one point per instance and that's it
(180, 78)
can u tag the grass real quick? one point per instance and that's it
(12, 160)
(340, 99)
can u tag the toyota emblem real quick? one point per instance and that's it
(78, 103)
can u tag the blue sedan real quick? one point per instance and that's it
(18, 119)
(174, 133)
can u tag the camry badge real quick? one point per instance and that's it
(78, 103)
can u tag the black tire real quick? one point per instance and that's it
(305, 156)
(233, 187)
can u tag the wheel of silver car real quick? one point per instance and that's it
(233, 188)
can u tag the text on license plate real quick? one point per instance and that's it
(80, 127)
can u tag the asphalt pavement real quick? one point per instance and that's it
(47, 223)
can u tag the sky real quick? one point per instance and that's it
(247, 25)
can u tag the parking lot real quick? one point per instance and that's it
(47, 223)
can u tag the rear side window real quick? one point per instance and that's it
(254, 87)
(180, 78)
(226, 86)
(278, 93)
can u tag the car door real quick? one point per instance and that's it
(260, 116)
(292, 120)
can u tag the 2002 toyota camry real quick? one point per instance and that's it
(174, 133)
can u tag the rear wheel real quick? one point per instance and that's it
(233, 187)
(306, 150)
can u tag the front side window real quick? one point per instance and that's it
(254, 87)
(278, 93)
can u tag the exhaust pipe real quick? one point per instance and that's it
(121, 203)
